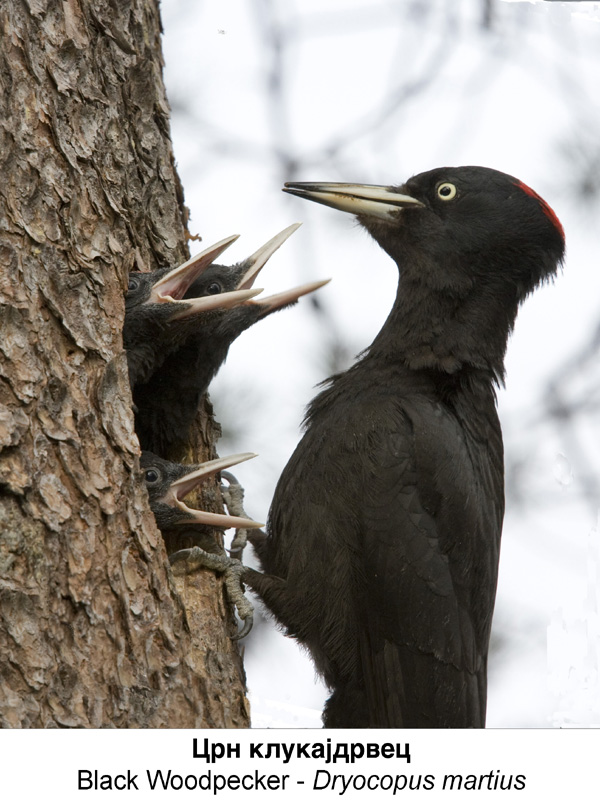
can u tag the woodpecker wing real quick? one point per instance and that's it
(384, 515)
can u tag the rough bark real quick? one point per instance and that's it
(93, 631)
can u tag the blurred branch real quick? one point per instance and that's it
(488, 15)
(569, 412)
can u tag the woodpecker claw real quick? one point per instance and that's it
(246, 628)
(233, 497)
(233, 571)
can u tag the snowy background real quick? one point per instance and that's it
(374, 91)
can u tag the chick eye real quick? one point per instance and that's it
(132, 284)
(214, 288)
(446, 191)
(151, 476)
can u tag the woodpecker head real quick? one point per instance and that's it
(158, 319)
(159, 295)
(168, 483)
(241, 276)
(470, 244)
(455, 227)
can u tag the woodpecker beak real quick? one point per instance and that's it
(257, 261)
(276, 301)
(195, 305)
(361, 199)
(182, 487)
(175, 284)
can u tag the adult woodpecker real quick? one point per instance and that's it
(383, 538)
(158, 320)
(168, 402)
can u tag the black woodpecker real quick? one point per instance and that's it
(158, 320)
(189, 530)
(168, 483)
(168, 402)
(383, 538)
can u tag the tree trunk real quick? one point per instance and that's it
(94, 630)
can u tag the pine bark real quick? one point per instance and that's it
(94, 629)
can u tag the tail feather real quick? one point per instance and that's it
(400, 687)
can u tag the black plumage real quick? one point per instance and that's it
(383, 539)
(157, 319)
(168, 402)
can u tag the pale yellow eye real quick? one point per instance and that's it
(446, 191)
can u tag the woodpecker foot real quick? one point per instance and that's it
(233, 571)
(233, 497)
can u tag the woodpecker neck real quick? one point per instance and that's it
(440, 330)
(143, 359)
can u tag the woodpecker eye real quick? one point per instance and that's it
(132, 284)
(151, 476)
(446, 191)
